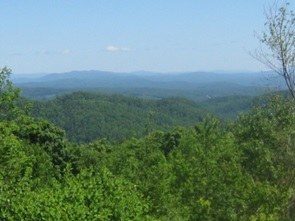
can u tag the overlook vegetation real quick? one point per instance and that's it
(243, 170)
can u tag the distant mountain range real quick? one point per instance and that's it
(192, 85)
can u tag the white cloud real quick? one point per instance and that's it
(112, 48)
(45, 52)
(54, 52)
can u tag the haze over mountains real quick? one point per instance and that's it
(197, 86)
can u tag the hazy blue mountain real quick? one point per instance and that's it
(192, 85)
(22, 78)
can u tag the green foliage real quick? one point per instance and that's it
(200, 174)
(14, 161)
(88, 196)
(46, 135)
(209, 176)
(266, 138)
(265, 135)
(30, 191)
(88, 116)
(8, 95)
(229, 107)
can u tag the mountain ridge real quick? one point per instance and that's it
(192, 85)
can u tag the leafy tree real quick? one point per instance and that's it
(88, 196)
(266, 138)
(47, 136)
(279, 42)
(8, 95)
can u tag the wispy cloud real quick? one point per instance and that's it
(48, 52)
(54, 52)
(45, 52)
(112, 48)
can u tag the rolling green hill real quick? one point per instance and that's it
(87, 116)
(229, 107)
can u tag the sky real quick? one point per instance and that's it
(46, 36)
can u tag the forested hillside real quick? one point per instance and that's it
(230, 107)
(240, 171)
(89, 116)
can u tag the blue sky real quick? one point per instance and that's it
(130, 35)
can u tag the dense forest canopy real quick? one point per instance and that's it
(90, 116)
(241, 170)
(86, 116)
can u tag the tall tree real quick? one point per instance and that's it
(278, 43)
(8, 95)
